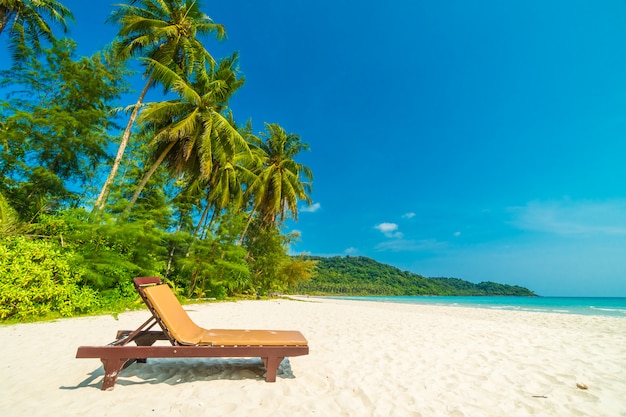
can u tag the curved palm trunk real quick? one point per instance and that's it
(203, 218)
(170, 257)
(205, 214)
(106, 188)
(245, 229)
(6, 15)
(211, 222)
(146, 178)
(3, 18)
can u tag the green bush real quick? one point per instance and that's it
(38, 278)
(110, 253)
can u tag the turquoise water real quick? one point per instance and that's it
(595, 306)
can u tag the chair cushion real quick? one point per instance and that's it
(186, 332)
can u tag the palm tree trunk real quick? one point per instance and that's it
(8, 13)
(192, 284)
(146, 178)
(106, 188)
(245, 229)
(205, 213)
(211, 222)
(170, 257)
(3, 18)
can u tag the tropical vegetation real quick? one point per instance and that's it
(358, 275)
(94, 192)
(28, 22)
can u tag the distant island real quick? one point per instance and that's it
(358, 275)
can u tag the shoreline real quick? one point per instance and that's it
(588, 306)
(366, 359)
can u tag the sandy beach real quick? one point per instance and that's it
(366, 359)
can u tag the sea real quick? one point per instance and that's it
(590, 306)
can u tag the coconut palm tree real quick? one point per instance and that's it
(162, 31)
(29, 21)
(225, 187)
(226, 184)
(193, 135)
(281, 182)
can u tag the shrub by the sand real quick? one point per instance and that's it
(38, 278)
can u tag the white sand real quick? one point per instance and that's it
(366, 359)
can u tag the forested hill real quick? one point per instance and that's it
(357, 275)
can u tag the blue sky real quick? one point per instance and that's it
(483, 140)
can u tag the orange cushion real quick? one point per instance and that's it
(186, 332)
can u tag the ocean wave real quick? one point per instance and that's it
(616, 310)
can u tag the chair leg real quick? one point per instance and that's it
(112, 368)
(271, 367)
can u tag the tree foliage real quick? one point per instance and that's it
(163, 34)
(359, 275)
(58, 125)
(281, 181)
(29, 21)
(55, 127)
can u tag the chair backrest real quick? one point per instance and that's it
(168, 311)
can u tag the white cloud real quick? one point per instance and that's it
(568, 218)
(389, 230)
(311, 209)
(351, 250)
(408, 215)
(457, 234)
(387, 227)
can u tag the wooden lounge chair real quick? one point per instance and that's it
(187, 339)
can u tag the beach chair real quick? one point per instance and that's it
(187, 339)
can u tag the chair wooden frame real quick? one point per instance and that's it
(118, 354)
